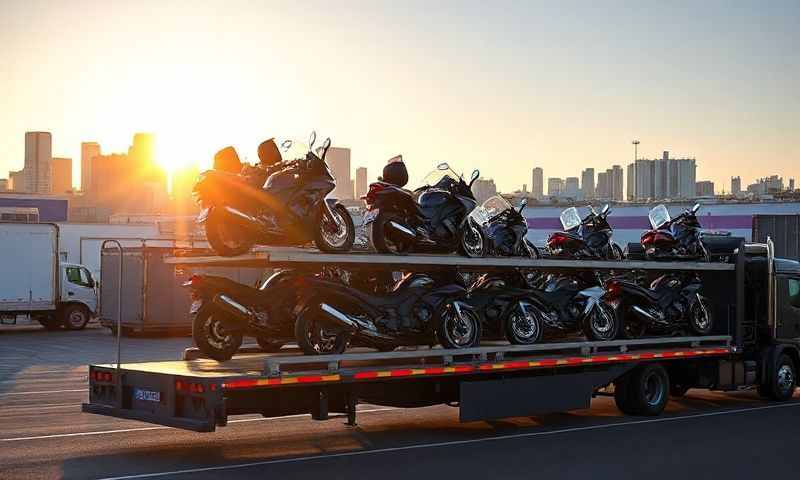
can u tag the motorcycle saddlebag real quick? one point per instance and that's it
(395, 172)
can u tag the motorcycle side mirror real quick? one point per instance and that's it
(325, 146)
(605, 209)
(475, 175)
(286, 145)
(522, 204)
(443, 166)
(311, 139)
(695, 208)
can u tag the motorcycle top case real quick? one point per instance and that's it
(396, 174)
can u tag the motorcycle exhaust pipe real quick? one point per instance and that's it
(246, 220)
(644, 313)
(402, 230)
(241, 314)
(350, 324)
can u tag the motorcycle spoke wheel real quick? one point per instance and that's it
(335, 234)
(603, 323)
(523, 328)
(459, 331)
(700, 319)
(472, 243)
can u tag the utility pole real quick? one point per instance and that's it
(635, 150)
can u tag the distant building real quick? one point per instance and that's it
(791, 184)
(572, 188)
(664, 178)
(537, 183)
(38, 156)
(61, 175)
(630, 186)
(339, 161)
(16, 181)
(603, 190)
(766, 186)
(3, 184)
(50, 208)
(89, 150)
(616, 180)
(704, 188)
(555, 187)
(483, 189)
(736, 185)
(587, 183)
(361, 182)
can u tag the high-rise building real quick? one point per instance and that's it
(361, 182)
(616, 180)
(645, 179)
(555, 187)
(791, 184)
(38, 156)
(89, 150)
(61, 175)
(664, 178)
(630, 186)
(603, 190)
(16, 181)
(537, 183)
(587, 183)
(4, 185)
(704, 188)
(483, 189)
(572, 188)
(736, 185)
(339, 160)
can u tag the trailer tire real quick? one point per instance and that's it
(212, 338)
(75, 317)
(782, 381)
(621, 395)
(646, 390)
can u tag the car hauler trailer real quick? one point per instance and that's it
(754, 345)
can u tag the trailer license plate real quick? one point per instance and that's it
(371, 216)
(195, 307)
(146, 395)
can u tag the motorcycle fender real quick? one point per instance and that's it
(327, 208)
(593, 296)
(204, 215)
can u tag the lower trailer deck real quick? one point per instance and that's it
(486, 382)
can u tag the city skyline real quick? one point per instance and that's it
(568, 93)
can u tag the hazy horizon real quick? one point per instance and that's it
(502, 88)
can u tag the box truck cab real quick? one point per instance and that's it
(36, 286)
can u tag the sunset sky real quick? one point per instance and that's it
(499, 86)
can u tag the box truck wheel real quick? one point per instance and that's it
(644, 391)
(782, 380)
(51, 322)
(75, 317)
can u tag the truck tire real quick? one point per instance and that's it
(621, 395)
(75, 317)
(782, 381)
(646, 390)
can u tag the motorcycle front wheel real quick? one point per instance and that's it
(212, 337)
(523, 326)
(701, 321)
(602, 324)
(336, 238)
(459, 330)
(472, 242)
(224, 238)
(315, 338)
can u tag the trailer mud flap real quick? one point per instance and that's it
(526, 396)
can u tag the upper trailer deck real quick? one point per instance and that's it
(266, 257)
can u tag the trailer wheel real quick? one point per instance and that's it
(211, 336)
(75, 317)
(782, 382)
(621, 395)
(645, 391)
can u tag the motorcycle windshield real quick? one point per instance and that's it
(570, 219)
(436, 176)
(491, 207)
(293, 150)
(659, 216)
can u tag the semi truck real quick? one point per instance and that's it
(755, 345)
(35, 286)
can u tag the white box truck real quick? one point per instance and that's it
(35, 285)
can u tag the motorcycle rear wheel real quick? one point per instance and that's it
(340, 241)
(211, 336)
(383, 243)
(314, 339)
(223, 238)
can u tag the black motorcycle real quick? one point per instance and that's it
(503, 228)
(683, 238)
(417, 311)
(673, 304)
(224, 311)
(568, 305)
(290, 208)
(587, 238)
(434, 218)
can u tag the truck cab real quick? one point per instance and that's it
(78, 296)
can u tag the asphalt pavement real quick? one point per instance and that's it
(43, 433)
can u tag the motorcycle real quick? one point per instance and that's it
(503, 228)
(587, 238)
(223, 311)
(290, 208)
(672, 304)
(434, 218)
(417, 311)
(567, 305)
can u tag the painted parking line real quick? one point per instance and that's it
(451, 443)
